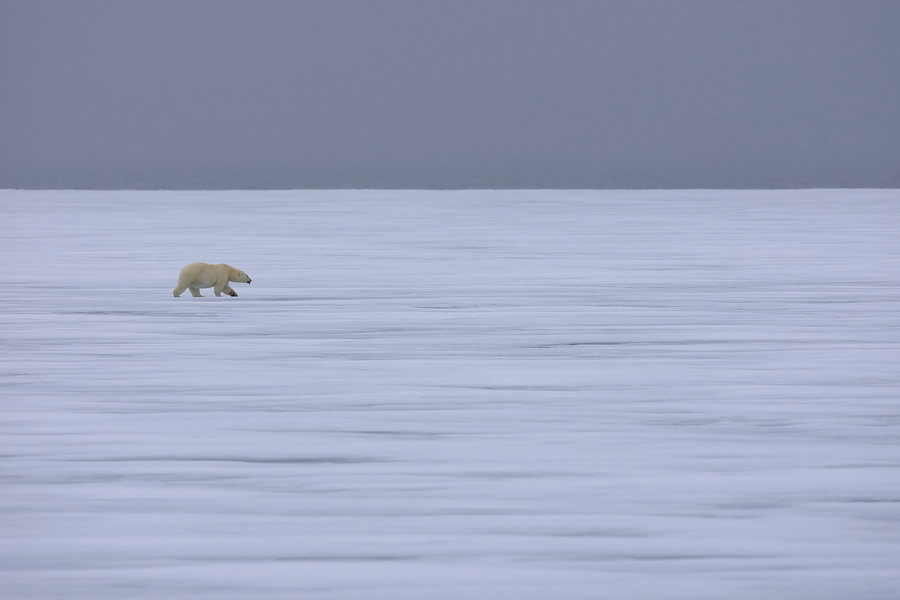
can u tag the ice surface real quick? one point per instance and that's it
(446, 395)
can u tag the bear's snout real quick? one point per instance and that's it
(249, 281)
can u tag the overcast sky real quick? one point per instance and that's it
(449, 93)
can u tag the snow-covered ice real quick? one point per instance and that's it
(477, 394)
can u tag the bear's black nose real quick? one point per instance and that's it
(249, 281)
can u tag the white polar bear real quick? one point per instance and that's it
(202, 275)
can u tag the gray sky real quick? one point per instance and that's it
(449, 94)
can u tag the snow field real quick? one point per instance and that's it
(474, 394)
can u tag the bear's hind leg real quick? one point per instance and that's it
(195, 292)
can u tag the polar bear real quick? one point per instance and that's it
(202, 275)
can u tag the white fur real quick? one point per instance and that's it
(202, 275)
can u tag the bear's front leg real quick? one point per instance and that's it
(221, 285)
(228, 290)
(195, 292)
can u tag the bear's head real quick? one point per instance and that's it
(239, 277)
